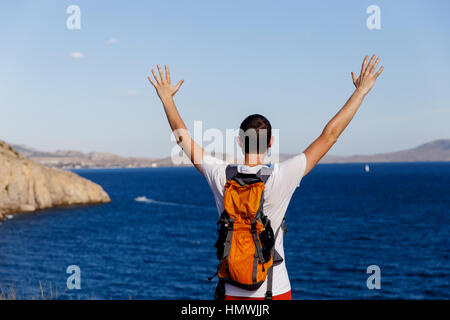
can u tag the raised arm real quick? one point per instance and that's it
(166, 91)
(339, 122)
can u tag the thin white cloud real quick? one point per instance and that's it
(131, 92)
(77, 55)
(112, 41)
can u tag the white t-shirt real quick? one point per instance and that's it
(280, 186)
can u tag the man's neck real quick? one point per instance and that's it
(252, 159)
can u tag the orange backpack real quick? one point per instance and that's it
(245, 243)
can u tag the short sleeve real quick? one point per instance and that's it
(292, 170)
(213, 170)
(210, 164)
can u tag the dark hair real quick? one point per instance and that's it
(251, 129)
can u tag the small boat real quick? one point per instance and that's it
(367, 168)
(142, 199)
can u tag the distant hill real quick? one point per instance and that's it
(69, 159)
(437, 150)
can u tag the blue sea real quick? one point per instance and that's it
(155, 239)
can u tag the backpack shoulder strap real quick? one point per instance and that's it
(231, 171)
(264, 173)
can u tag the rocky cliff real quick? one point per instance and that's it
(28, 186)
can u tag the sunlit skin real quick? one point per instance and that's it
(316, 150)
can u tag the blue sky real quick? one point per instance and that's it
(289, 60)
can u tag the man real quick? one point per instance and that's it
(285, 177)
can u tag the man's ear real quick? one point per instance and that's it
(272, 139)
(239, 142)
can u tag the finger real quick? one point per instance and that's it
(354, 77)
(374, 67)
(363, 67)
(369, 65)
(178, 85)
(156, 77)
(379, 72)
(167, 73)
(152, 82)
(161, 74)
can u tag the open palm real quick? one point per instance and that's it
(163, 85)
(367, 78)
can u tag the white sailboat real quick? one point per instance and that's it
(367, 168)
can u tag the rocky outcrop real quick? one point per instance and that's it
(27, 186)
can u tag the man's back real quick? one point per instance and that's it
(279, 188)
(255, 139)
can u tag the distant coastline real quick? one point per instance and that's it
(434, 151)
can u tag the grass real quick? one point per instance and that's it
(9, 292)
(43, 292)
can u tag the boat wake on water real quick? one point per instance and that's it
(144, 199)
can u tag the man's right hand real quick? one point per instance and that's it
(367, 78)
(339, 122)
